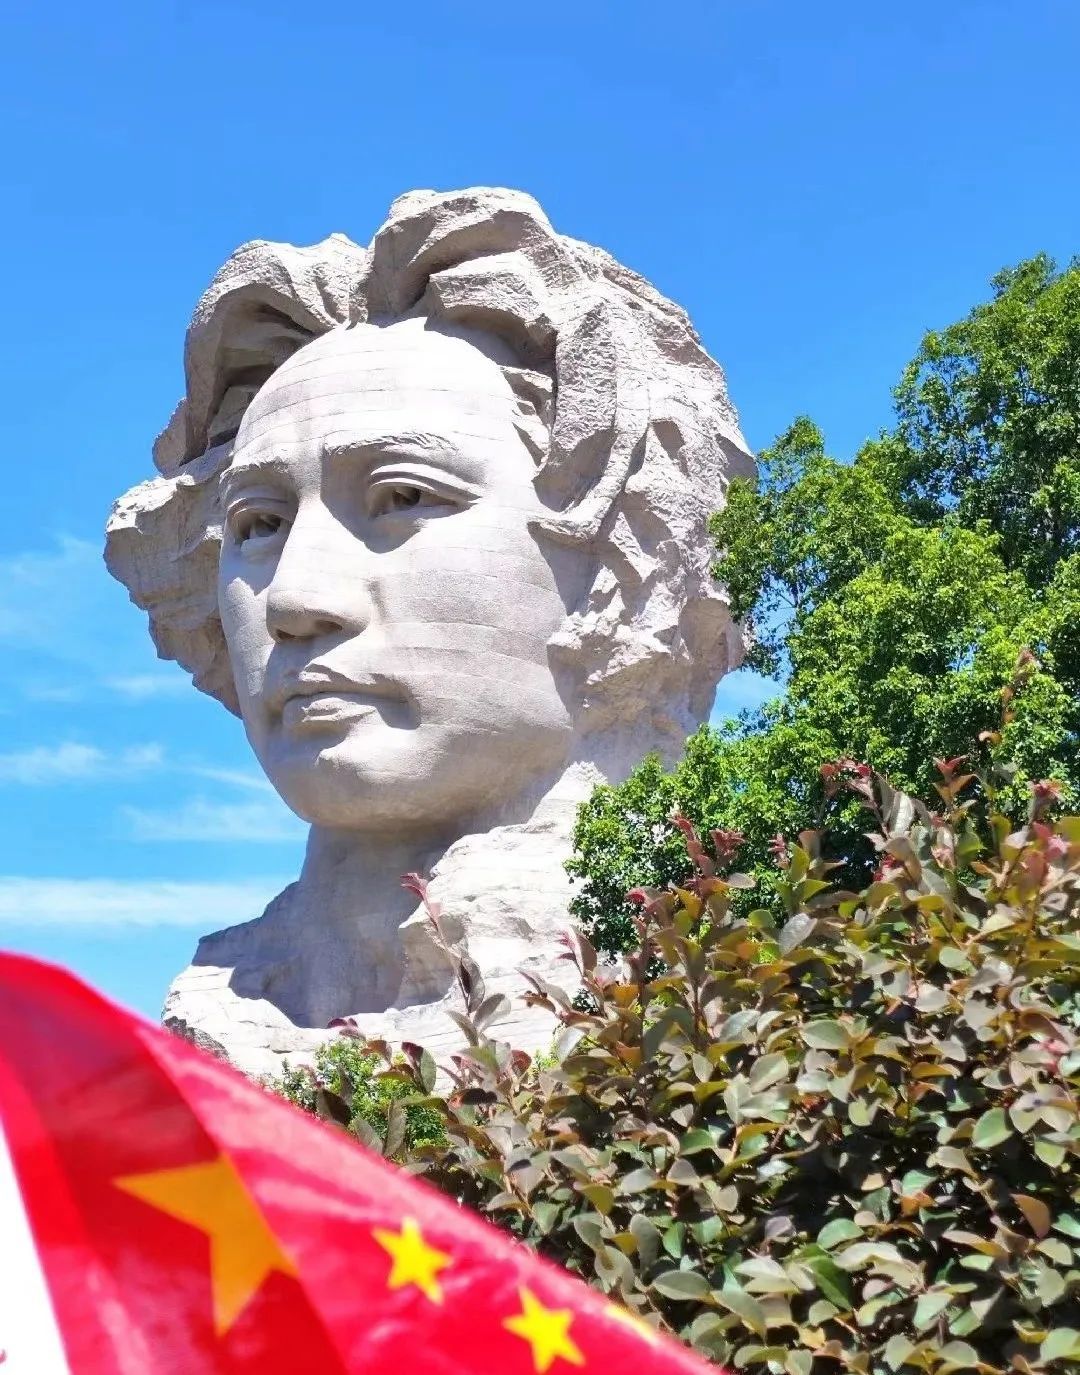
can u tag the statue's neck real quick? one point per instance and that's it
(355, 939)
(352, 903)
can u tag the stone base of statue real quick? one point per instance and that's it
(503, 899)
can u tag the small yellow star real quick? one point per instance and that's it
(547, 1330)
(415, 1262)
(213, 1198)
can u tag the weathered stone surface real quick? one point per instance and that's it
(431, 520)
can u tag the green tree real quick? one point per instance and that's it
(890, 598)
(347, 1084)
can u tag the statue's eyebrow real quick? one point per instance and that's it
(272, 465)
(405, 443)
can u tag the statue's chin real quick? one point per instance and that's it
(354, 800)
(377, 781)
(347, 795)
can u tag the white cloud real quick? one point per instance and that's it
(41, 765)
(143, 687)
(50, 601)
(103, 903)
(59, 606)
(235, 778)
(53, 692)
(262, 821)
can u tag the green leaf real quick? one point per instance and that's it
(428, 1070)
(929, 1307)
(682, 1172)
(744, 1305)
(755, 1352)
(1056, 1250)
(957, 1356)
(991, 1129)
(601, 1196)
(697, 1139)
(637, 1180)
(766, 1276)
(590, 1229)
(647, 1235)
(840, 1229)
(769, 1070)
(1063, 1344)
(799, 927)
(833, 1283)
(681, 1284)
(1067, 1223)
(672, 1240)
(1049, 1152)
(546, 1213)
(897, 1349)
(706, 1334)
(1050, 1286)
(950, 1158)
(825, 1035)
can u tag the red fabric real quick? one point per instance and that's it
(90, 1095)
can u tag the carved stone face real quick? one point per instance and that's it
(387, 610)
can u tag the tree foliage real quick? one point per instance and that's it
(345, 1084)
(890, 597)
(847, 1141)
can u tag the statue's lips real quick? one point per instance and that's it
(318, 696)
(330, 705)
(317, 692)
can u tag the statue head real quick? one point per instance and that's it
(432, 515)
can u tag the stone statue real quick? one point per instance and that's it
(431, 520)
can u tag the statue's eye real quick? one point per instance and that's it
(256, 525)
(401, 497)
(388, 498)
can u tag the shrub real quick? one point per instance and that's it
(848, 1141)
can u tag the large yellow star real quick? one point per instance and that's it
(415, 1262)
(212, 1197)
(547, 1330)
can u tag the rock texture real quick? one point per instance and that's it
(431, 518)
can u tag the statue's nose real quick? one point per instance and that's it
(319, 587)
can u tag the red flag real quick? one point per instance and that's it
(187, 1221)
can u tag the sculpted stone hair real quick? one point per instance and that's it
(628, 417)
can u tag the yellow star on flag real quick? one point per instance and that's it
(547, 1330)
(415, 1262)
(212, 1197)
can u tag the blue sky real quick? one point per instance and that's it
(816, 184)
